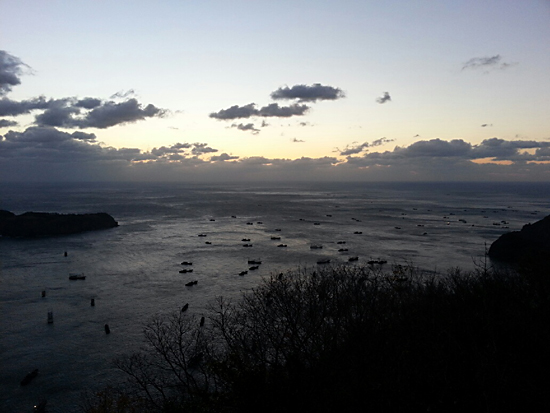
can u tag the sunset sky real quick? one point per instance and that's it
(221, 91)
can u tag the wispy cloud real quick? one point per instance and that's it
(249, 127)
(124, 95)
(384, 98)
(358, 148)
(487, 63)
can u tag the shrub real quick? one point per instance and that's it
(353, 338)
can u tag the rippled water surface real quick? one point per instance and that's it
(132, 271)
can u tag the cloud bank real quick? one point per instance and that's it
(47, 154)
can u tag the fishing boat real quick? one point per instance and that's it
(76, 276)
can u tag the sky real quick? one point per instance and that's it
(235, 91)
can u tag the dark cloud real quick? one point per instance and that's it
(10, 107)
(61, 114)
(74, 113)
(381, 141)
(271, 110)
(492, 62)
(202, 148)
(236, 112)
(305, 93)
(111, 114)
(223, 157)
(437, 152)
(274, 110)
(354, 149)
(384, 98)
(88, 103)
(11, 68)
(501, 149)
(176, 149)
(5, 123)
(358, 148)
(249, 127)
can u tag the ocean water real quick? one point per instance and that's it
(132, 270)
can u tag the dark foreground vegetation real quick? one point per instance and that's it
(348, 339)
(44, 224)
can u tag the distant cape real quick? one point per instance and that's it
(533, 241)
(44, 224)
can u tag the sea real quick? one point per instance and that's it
(132, 271)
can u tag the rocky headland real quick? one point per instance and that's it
(532, 241)
(44, 224)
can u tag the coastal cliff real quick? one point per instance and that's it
(43, 224)
(532, 241)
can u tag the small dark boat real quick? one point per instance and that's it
(208, 243)
(254, 267)
(350, 259)
(341, 242)
(275, 238)
(185, 307)
(247, 245)
(185, 270)
(282, 246)
(202, 321)
(316, 223)
(278, 229)
(243, 273)
(201, 235)
(245, 240)
(316, 247)
(324, 261)
(191, 283)
(358, 232)
(342, 250)
(249, 223)
(107, 329)
(212, 219)
(74, 276)
(29, 377)
(186, 263)
(255, 262)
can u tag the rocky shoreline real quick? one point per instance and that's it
(533, 241)
(45, 224)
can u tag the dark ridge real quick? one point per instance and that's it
(44, 224)
(532, 241)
